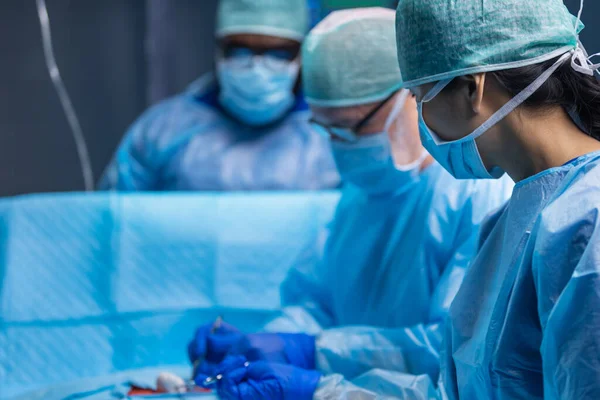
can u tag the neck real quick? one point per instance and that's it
(428, 161)
(527, 144)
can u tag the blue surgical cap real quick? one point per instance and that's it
(349, 58)
(443, 39)
(281, 18)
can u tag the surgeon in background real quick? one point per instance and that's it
(245, 130)
(403, 234)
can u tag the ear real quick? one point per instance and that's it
(471, 89)
(476, 84)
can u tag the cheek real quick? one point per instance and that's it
(408, 123)
(410, 113)
(444, 119)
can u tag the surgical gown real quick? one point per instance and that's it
(391, 267)
(526, 322)
(189, 143)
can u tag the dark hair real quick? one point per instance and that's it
(574, 91)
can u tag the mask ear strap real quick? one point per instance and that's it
(517, 100)
(415, 164)
(398, 105)
(582, 62)
(400, 102)
(436, 90)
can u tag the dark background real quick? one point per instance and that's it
(116, 57)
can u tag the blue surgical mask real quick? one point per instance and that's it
(461, 157)
(257, 90)
(368, 163)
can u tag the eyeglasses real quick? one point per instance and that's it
(348, 134)
(274, 59)
(287, 53)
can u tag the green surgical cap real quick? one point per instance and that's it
(350, 58)
(281, 18)
(443, 39)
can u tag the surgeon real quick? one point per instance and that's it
(507, 87)
(245, 130)
(402, 238)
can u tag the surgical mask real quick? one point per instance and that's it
(368, 163)
(461, 157)
(257, 90)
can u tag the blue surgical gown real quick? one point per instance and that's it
(526, 322)
(189, 143)
(391, 267)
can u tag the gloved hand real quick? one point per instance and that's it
(209, 347)
(264, 380)
(284, 348)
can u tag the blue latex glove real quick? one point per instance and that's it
(209, 348)
(265, 380)
(284, 348)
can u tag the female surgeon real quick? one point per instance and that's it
(399, 245)
(505, 86)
